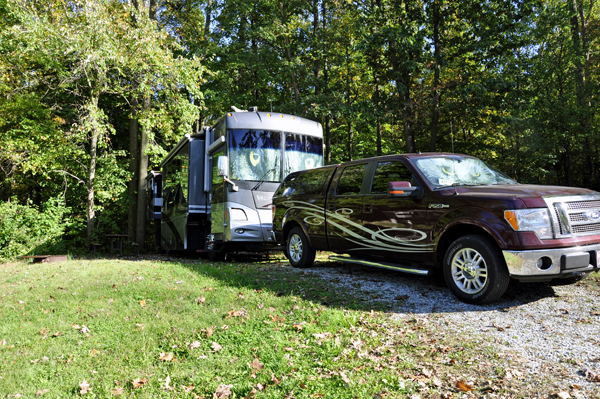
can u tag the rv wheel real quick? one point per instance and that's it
(218, 256)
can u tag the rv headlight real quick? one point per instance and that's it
(536, 220)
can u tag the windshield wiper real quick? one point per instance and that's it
(459, 185)
(262, 179)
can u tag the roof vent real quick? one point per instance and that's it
(253, 109)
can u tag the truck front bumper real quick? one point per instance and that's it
(547, 264)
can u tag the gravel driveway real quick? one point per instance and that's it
(546, 330)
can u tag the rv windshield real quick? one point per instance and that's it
(302, 152)
(254, 155)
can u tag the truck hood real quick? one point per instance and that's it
(531, 194)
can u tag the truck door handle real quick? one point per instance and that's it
(368, 208)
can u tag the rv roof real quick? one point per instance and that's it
(273, 121)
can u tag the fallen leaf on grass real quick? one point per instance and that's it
(274, 379)
(251, 394)
(41, 392)
(118, 391)
(561, 395)
(592, 375)
(200, 300)
(188, 389)
(209, 332)
(94, 352)
(84, 387)
(236, 313)
(139, 383)
(84, 330)
(345, 379)
(166, 357)
(216, 347)
(298, 327)
(142, 303)
(256, 365)
(223, 391)
(513, 373)
(195, 345)
(57, 334)
(167, 382)
(463, 386)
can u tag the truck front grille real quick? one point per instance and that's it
(575, 216)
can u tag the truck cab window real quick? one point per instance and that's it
(351, 180)
(387, 172)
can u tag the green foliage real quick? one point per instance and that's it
(26, 230)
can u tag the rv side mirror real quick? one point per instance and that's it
(222, 166)
(403, 189)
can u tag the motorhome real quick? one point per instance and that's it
(217, 185)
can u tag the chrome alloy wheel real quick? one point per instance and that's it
(295, 248)
(469, 271)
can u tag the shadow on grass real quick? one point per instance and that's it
(354, 287)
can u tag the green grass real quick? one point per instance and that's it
(155, 328)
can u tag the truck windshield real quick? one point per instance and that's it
(254, 155)
(448, 171)
(302, 152)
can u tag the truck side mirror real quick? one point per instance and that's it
(403, 189)
(222, 165)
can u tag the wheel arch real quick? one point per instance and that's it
(456, 231)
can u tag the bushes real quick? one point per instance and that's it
(26, 230)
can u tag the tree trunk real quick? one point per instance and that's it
(141, 189)
(406, 108)
(435, 112)
(133, 169)
(207, 19)
(289, 56)
(578, 35)
(349, 141)
(327, 139)
(91, 215)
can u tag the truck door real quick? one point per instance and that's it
(344, 208)
(397, 227)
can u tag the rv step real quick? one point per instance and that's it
(384, 265)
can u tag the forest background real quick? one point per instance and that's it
(93, 93)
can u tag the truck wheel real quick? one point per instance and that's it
(299, 253)
(475, 270)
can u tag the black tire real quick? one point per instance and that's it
(218, 256)
(475, 270)
(298, 251)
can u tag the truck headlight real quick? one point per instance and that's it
(536, 220)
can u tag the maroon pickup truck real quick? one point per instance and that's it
(418, 212)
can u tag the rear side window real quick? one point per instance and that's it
(351, 180)
(308, 183)
(387, 172)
